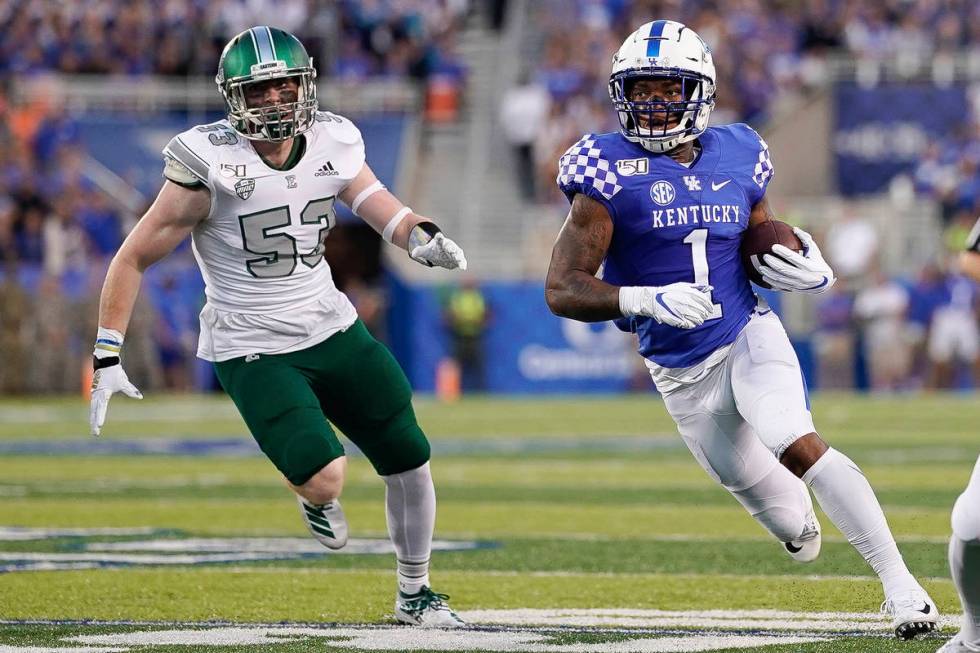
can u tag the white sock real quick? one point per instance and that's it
(410, 505)
(846, 496)
(964, 562)
(964, 556)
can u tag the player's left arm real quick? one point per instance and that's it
(761, 212)
(970, 259)
(398, 224)
(789, 270)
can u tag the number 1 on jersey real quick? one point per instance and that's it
(698, 240)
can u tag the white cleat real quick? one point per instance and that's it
(326, 523)
(806, 547)
(957, 645)
(913, 613)
(426, 610)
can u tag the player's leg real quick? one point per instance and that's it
(284, 416)
(964, 562)
(771, 395)
(368, 397)
(725, 446)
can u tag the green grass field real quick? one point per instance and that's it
(567, 525)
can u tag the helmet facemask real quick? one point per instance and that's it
(271, 123)
(660, 125)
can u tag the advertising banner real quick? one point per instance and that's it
(882, 131)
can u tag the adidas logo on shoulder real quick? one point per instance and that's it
(326, 170)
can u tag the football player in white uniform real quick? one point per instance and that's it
(964, 545)
(256, 193)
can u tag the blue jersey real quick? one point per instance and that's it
(673, 223)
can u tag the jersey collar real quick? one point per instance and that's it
(705, 160)
(295, 154)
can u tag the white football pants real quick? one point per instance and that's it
(742, 415)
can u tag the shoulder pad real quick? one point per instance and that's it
(756, 152)
(195, 148)
(583, 164)
(178, 173)
(339, 128)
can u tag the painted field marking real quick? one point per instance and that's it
(733, 620)
(413, 639)
(193, 551)
(244, 446)
(642, 631)
(15, 533)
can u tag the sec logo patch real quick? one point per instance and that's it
(662, 193)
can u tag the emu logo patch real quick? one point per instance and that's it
(244, 188)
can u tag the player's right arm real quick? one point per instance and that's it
(168, 221)
(572, 289)
(171, 218)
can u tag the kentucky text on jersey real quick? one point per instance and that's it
(675, 223)
(693, 214)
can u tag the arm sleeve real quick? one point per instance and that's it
(582, 169)
(758, 162)
(973, 240)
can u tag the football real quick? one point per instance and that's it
(758, 240)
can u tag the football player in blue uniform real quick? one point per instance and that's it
(964, 545)
(661, 206)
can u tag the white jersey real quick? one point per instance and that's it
(260, 250)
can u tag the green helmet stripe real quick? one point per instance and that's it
(263, 44)
(255, 46)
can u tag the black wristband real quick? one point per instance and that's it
(422, 234)
(430, 228)
(108, 361)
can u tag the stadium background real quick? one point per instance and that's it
(870, 109)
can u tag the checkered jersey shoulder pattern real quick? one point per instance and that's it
(763, 166)
(583, 165)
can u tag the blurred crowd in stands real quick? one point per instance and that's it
(358, 38)
(916, 330)
(58, 229)
(949, 171)
(766, 52)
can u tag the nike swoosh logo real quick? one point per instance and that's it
(820, 285)
(927, 610)
(715, 186)
(792, 548)
(660, 301)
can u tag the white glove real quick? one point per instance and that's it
(441, 252)
(796, 272)
(106, 382)
(681, 305)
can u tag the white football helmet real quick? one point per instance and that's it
(663, 49)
